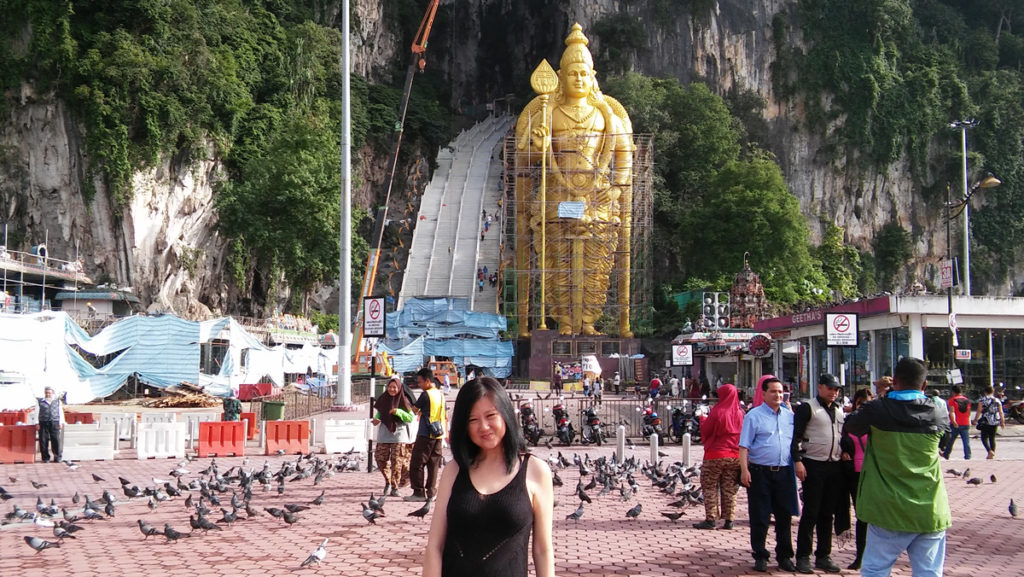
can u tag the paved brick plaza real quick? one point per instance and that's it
(984, 540)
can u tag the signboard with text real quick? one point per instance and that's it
(841, 329)
(682, 355)
(373, 317)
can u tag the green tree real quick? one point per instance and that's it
(749, 209)
(892, 252)
(840, 263)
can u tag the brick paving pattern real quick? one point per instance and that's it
(984, 539)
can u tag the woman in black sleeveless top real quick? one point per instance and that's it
(492, 496)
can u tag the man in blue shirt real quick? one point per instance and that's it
(766, 470)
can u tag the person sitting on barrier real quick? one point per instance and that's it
(51, 421)
(393, 413)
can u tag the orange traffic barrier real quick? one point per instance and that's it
(73, 418)
(221, 438)
(17, 444)
(288, 436)
(11, 418)
(253, 426)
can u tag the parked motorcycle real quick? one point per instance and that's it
(563, 425)
(651, 423)
(592, 428)
(1015, 410)
(531, 427)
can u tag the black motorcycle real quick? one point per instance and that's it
(563, 425)
(592, 428)
(686, 419)
(531, 428)
(651, 424)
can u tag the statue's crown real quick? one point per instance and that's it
(576, 50)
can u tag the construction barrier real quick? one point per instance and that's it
(124, 422)
(221, 438)
(288, 436)
(89, 442)
(161, 440)
(17, 444)
(343, 435)
(12, 418)
(158, 418)
(73, 418)
(193, 420)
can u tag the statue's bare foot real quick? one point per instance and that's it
(626, 334)
(588, 329)
(564, 331)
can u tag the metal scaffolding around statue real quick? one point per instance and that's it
(578, 183)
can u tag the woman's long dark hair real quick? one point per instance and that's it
(465, 451)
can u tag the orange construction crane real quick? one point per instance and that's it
(419, 62)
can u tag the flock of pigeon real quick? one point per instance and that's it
(618, 480)
(975, 481)
(231, 492)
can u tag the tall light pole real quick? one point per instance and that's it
(965, 203)
(343, 396)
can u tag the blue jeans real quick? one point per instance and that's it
(964, 433)
(927, 552)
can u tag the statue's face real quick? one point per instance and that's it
(578, 80)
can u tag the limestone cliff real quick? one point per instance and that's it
(165, 245)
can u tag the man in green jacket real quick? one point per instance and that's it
(901, 495)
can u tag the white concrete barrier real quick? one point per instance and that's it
(159, 418)
(193, 420)
(125, 422)
(89, 442)
(161, 440)
(342, 435)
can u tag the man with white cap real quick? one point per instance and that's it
(51, 421)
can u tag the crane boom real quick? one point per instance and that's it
(418, 50)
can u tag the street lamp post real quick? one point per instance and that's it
(988, 182)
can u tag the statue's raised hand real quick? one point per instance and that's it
(541, 137)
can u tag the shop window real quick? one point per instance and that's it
(586, 347)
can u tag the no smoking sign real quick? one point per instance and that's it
(841, 329)
(373, 317)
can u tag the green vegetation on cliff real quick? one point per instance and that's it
(884, 78)
(259, 81)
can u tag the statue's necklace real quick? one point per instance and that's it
(573, 112)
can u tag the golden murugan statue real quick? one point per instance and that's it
(574, 155)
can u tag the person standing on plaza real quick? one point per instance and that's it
(617, 382)
(817, 430)
(492, 497)
(426, 452)
(959, 422)
(597, 389)
(392, 417)
(766, 470)
(853, 461)
(988, 418)
(673, 385)
(720, 471)
(556, 380)
(901, 495)
(51, 421)
(655, 387)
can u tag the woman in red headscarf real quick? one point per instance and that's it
(720, 472)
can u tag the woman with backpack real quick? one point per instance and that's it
(987, 418)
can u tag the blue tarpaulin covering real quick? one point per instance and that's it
(443, 327)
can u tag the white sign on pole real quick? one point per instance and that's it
(373, 317)
(841, 329)
(946, 277)
(682, 355)
(955, 377)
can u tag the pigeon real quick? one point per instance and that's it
(274, 511)
(109, 509)
(575, 515)
(555, 479)
(635, 511)
(375, 504)
(147, 530)
(289, 517)
(69, 527)
(173, 535)
(547, 443)
(98, 479)
(630, 443)
(974, 481)
(62, 533)
(72, 466)
(583, 496)
(317, 555)
(38, 486)
(39, 544)
(422, 511)
(966, 473)
(992, 478)
(369, 514)
(75, 499)
(1013, 509)
(954, 472)
(296, 508)
(229, 516)
(207, 525)
(672, 516)
(319, 500)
